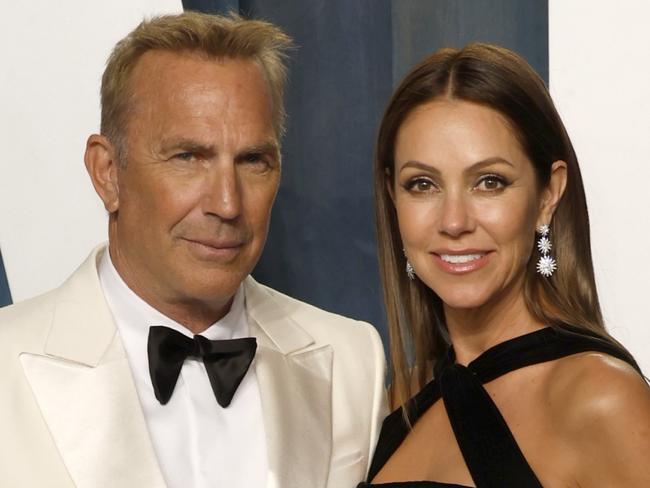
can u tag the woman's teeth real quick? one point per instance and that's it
(460, 258)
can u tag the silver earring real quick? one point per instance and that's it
(546, 265)
(410, 272)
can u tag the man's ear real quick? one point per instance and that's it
(102, 166)
(553, 192)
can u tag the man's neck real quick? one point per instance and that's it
(195, 316)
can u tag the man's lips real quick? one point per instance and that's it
(216, 243)
(216, 250)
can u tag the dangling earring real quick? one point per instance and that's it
(410, 272)
(546, 265)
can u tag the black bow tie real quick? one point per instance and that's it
(225, 361)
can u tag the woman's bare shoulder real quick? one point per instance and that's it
(594, 384)
(602, 408)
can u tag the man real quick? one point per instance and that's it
(105, 382)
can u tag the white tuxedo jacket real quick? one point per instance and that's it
(70, 414)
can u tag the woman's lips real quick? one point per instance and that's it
(461, 263)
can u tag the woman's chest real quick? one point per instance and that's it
(431, 452)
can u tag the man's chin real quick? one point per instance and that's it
(207, 283)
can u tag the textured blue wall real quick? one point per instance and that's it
(5, 293)
(321, 245)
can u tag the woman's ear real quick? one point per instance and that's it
(553, 192)
(102, 166)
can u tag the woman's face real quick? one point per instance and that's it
(467, 202)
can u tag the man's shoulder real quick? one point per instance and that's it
(30, 320)
(25, 324)
(315, 321)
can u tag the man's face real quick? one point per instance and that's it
(202, 171)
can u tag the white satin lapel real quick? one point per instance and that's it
(95, 419)
(83, 385)
(295, 381)
(296, 400)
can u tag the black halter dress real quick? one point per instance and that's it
(486, 443)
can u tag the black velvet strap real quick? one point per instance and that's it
(490, 451)
(537, 347)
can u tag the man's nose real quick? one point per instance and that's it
(455, 218)
(222, 192)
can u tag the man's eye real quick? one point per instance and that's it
(491, 183)
(257, 161)
(253, 158)
(420, 185)
(185, 156)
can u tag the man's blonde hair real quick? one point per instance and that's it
(213, 36)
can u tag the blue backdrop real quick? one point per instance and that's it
(5, 294)
(351, 53)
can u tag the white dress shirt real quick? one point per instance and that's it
(198, 443)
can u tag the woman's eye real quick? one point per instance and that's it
(420, 185)
(491, 183)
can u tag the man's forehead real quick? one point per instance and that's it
(184, 100)
(158, 62)
(163, 77)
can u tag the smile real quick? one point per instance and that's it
(460, 258)
(461, 263)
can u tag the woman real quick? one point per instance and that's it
(489, 288)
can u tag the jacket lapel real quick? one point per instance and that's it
(85, 391)
(295, 380)
(83, 385)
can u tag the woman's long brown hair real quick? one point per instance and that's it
(501, 80)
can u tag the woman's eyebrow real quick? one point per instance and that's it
(420, 165)
(474, 167)
(488, 162)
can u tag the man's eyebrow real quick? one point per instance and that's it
(269, 148)
(474, 167)
(189, 145)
